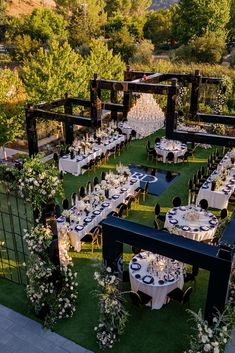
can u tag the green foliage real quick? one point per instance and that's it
(23, 46)
(158, 26)
(127, 7)
(123, 43)
(231, 23)
(143, 53)
(48, 75)
(196, 17)
(85, 19)
(232, 59)
(12, 99)
(45, 25)
(208, 48)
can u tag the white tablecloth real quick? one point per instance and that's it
(168, 280)
(165, 146)
(218, 198)
(77, 235)
(191, 222)
(74, 166)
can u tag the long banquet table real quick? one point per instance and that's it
(74, 166)
(219, 198)
(192, 222)
(156, 276)
(77, 230)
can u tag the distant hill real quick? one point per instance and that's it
(162, 4)
(24, 7)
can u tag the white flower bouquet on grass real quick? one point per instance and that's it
(113, 316)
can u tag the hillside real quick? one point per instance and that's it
(24, 7)
(161, 4)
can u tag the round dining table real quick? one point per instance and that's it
(156, 276)
(192, 222)
(164, 146)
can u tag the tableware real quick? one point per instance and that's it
(65, 157)
(134, 260)
(205, 228)
(196, 230)
(169, 278)
(148, 279)
(115, 197)
(182, 208)
(172, 212)
(137, 276)
(105, 204)
(123, 189)
(161, 281)
(135, 266)
(87, 219)
(173, 221)
(80, 158)
(213, 222)
(61, 219)
(205, 186)
(96, 212)
(185, 228)
(78, 228)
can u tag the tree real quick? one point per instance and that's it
(13, 97)
(231, 23)
(123, 43)
(103, 61)
(196, 17)
(44, 25)
(85, 17)
(143, 53)
(47, 75)
(127, 7)
(158, 26)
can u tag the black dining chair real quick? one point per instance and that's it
(181, 296)
(89, 187)
(103, 175)
(135, 250)
(157, 140)
(170, 157)
(223, 214)
(203, 204)
(74, 198)
(82, 192)
(157, 211)
(95, 181)
(191, 276)
(176, 201)
(65, 204)
(56, 159)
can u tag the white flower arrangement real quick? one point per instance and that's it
(113, 316)
(214, 338)
(51, 289)
(39, 182)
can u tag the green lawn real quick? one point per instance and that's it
(147, 331)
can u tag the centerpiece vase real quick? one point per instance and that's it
(213, 185)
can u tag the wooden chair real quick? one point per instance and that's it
(94, 238)
(170, 157)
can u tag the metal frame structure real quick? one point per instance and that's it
(15, 216)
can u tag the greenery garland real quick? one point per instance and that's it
(113, 316)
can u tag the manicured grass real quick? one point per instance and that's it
(147, 331)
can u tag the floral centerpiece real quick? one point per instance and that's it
(192, 215)
(51, 287)
(113, 316)
(216, 182)
(39, 182)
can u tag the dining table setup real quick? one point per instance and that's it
(89, 211)
(220, 185)
(192, 222)
(156, 276)
(88, 148)
(165, 146)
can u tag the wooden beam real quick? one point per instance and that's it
(206, 138)
(114, 107)
(72, 119)
(51, 105)
(216, 118)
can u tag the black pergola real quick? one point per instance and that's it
(215, 259)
